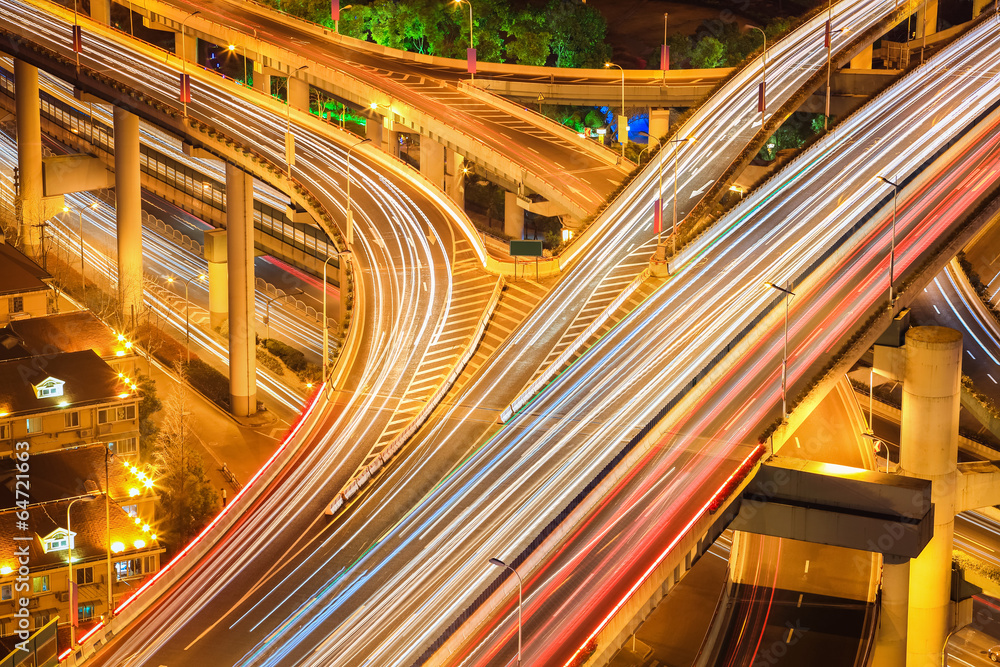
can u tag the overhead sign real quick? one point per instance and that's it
(525, 248)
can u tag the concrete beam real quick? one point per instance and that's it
(839, 506)
(65, 174)
(978, 485)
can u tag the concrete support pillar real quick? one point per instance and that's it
(454, 185)
(432, 161)
(186, 46)
(929, 450)
(242, 315)
(375, 130)
(218, 277)
(100, 11)
(298, 93)
(978, 6)
(262, 81)
(29, 155)
(128, 213)
(513, 216)
(890, 638)
(392, 142)
(863, 60)
(659, 124)
(927, 18)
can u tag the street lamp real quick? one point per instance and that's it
(336, 14)
(892, 243)
(69, 558)
(187, 311)
(622, 120)
(472, 71)
(762, 97)
(267, 311)
(878, 443)
(784, 359)
(184, 61)
(350, 213)
(500, 563)
(83, 280)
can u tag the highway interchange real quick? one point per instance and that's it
(572, 428)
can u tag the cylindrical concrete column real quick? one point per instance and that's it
(863, 60)
(513, 216)
(929, 450)
(242, 315)
(128, 214)
(298, 93)
(432, 161)
(29, 155)
(659, 124)
(890, 638)
(455, 178)
(216, 254)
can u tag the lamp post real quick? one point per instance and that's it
(69, 558)
(289, 139)
(187, 311)
(184, 60)
(665, 54)
(877, 443)
(500, 563)
(674, 142)
(784, 359)
(350, 212)
(892, 242)
(267, 310)
(336, 17)
(472, 46)
(829, 61)
(622, 127)
(83, 280)
(763, 79)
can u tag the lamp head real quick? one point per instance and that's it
(498, 562)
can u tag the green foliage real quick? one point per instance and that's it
(186, 498)
(529, 41)
(269, 362)
(578, 33)
(149, 404)
(795, 132)
(293, 359)
(708, 53)
(209, 382)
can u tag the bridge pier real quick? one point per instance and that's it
(29, 155)
(659, 124)
(128, 213)
(863, 60)
(890, 637)
(927, 18)
(100, 11)
(218, 278)
(513, 216)
(454, 185)
(432, 161)
(375, 130)
(242, 315)
(186, 46)
(979, 5)
(929, 450)
(298, 92)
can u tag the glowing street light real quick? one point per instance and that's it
(622, 119)
(892, 242)
(471, 53)
(500, 563)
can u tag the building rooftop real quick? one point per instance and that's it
(76, 378)
(61, 332)
(18, 274)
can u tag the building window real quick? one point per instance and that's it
(41, 620)
(126, 569)
(6, 592)
(57, 540)
(118, 414)
(33, 424)
(40, 585)
(15, 304)
(49, 387)
(84, 576)
(149, 564)
(85, 612)
(126, 447)
(71, 419)
(131, 510)
(4, 431)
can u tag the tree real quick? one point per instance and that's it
(529, 43)
(186, 497)
(708, 53)
(578, 33)
(149, 404)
